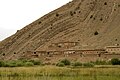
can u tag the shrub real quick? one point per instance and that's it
(115, 61)
(2, 64)
(101, 19)
(60, 64)
(96, 33)
(88, 65)
(13, 63)
(23, 59)
(35, 62)
(19, 63)
(39, 22)
(29, 64)
(77, 64)
(57, 14)
(10, 64)
(65, 61)
(98, 62)
(14, 52)
(105, 3)
(119, 5)
(91, 16)
(71, 13)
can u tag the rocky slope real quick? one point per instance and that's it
(91, 23)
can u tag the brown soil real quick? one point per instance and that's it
(91, 23)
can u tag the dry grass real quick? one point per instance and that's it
(58, 71)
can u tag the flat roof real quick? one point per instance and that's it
(71, 50)
(113, 47)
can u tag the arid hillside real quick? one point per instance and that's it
(92, 24)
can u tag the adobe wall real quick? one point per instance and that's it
(73, 55)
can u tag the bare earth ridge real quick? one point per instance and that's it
(90, 24)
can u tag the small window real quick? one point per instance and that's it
(48, 53)
(34, 52)
(99, 55)
(59, 46)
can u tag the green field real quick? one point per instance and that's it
(60, 73)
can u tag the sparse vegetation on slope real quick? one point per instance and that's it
(89, 22)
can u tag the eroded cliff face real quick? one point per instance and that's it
(91, 23)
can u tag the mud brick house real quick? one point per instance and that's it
(67, 49)
(113, 49)
(93, 51)
(40, 53)
(88, 52)
(27, 53)
(49, 51)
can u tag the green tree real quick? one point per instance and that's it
(65, 61)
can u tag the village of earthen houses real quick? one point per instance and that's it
(65, 50)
